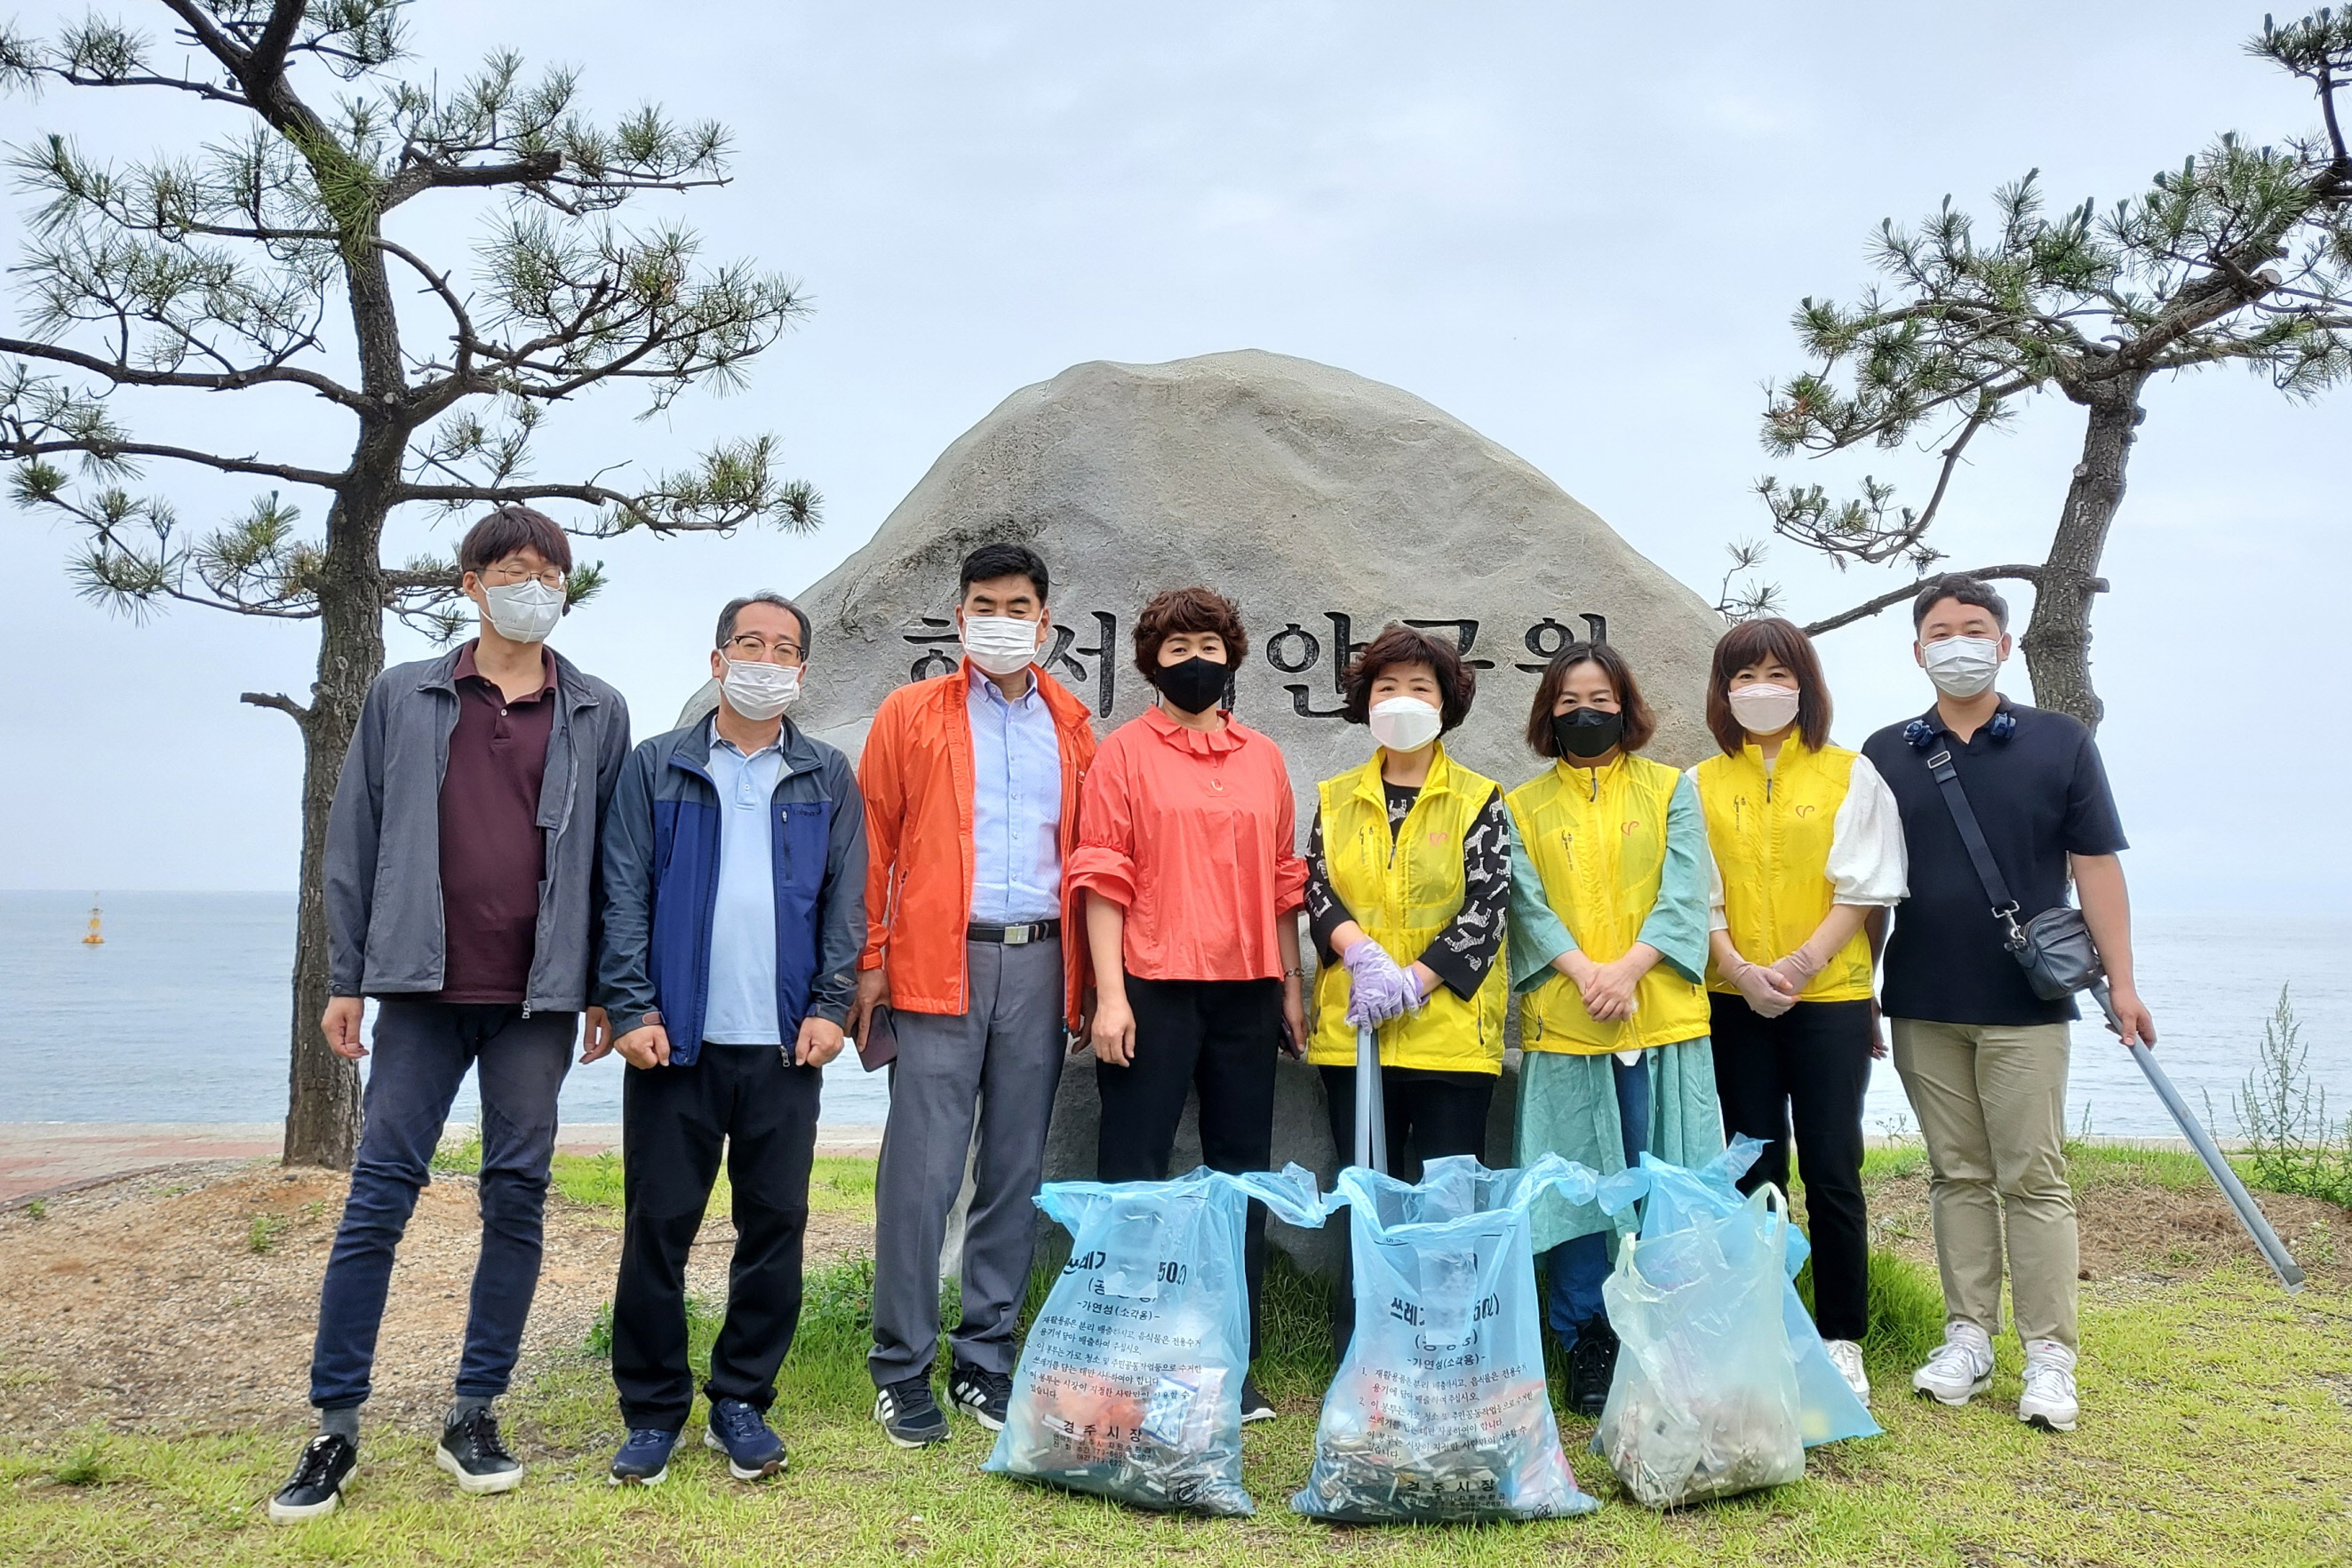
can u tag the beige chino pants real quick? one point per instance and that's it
(1992, 1104)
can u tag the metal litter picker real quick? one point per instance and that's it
(2272, 1249)
(1371, 1106)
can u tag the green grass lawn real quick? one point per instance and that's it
(2217, 1430)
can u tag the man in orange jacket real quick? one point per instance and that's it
(971, 782)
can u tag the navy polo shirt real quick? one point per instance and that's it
(2039, 795)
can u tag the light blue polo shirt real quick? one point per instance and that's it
(742, 1009)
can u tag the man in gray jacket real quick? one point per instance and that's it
(461, 872)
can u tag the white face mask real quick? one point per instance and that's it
(1762, 708)
(1962, 666)
(1405, 724)
(1000, 644)
(759, 691)
(523, 612)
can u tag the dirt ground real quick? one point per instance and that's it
(2142, 1234)
(147, 1303)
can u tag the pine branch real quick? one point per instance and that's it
(1868, 608)
(123, 374)
(279, 701)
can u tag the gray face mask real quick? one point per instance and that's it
(1962, 666)
(523, 612)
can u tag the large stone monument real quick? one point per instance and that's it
(1327, 506)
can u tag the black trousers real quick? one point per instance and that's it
(1219, 1037)
(673, 1122)
(1428, 1116)
(1805, 1073)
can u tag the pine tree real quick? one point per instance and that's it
(2240, 256)
(265, 262)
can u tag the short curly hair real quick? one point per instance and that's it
(1457, 684)
(1187, 610)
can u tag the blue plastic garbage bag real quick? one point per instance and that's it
(1439, 1413)
(1703, 1404)
(1674, 1195)
(1129, 1386)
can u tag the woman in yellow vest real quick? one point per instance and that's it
(1609, 899)
(1808, 852)
(1408, 877)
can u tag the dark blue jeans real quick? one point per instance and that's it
(421, 1051)
(1573, 1271)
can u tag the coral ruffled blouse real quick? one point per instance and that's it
(1196, 833)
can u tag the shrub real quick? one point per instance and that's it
(2291, 1144)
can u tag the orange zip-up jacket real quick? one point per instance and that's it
(916, 774)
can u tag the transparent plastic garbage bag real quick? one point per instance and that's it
(1129, 1386)
(1439, 1413)
(1705, 1401)
(1673, 1197)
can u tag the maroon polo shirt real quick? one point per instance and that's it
(492, 851)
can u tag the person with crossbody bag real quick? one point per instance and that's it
(2002, 805)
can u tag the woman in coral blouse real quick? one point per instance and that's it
(1187, 854)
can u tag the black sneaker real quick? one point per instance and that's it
(471, 1451)
(1256, 1406)
(644, 1459)
(741, 1432)
(909, 1414)
(316, 1487)
(986, 1396)
(1592, 1367)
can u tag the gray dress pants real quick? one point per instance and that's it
(997, 1064)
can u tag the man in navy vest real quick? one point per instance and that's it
(734, 909)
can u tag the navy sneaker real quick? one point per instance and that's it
(741, 1432)
(909, 1416)
(986, 1397)
(644, 1460)
(471, 1450)
(316, 1487)
(1256, 1406)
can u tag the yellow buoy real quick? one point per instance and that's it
(96, 938)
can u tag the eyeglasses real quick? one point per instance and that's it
(752, 646)
(499, 574)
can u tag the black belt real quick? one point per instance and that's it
(1013, 936)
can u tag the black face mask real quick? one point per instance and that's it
(1587, 731)
(1194, 685)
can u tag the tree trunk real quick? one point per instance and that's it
(2058, 639)
(323, 1113)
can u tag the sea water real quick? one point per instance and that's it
(182, 1015)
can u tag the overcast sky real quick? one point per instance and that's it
(1578, 227)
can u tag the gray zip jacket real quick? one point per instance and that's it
(385, 930)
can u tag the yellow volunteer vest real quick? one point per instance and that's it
(1770, 835)
(1404, 889)
(1597, 839)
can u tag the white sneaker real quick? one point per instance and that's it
(1961, 1370)
(2049, 1398)
(1847, 1357)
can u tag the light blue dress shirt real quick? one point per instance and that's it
(742, 1005)
(1016, 807)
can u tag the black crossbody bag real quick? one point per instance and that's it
(2054, 947)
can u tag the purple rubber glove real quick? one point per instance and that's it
(1378, 990)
